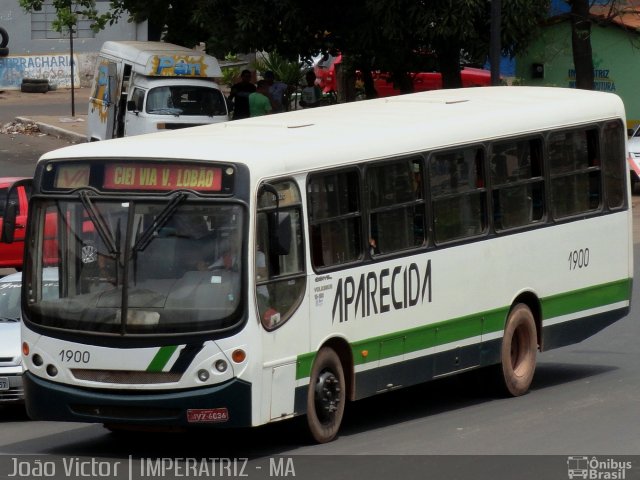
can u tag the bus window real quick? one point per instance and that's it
(613, 164)
(517, 183)
(396, 206)
(575, 171)
(458, 194)
(335, 218)
(280, 278)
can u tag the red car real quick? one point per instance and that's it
(422, 81)
(14, 203)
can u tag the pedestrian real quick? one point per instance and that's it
(277, 90)
(239, 95)
(259, 103)
(311, 94)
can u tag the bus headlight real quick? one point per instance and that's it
(37, 360)
(203, 375)
(221, 366)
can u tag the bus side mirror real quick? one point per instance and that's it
(280, 233)
(9, 223)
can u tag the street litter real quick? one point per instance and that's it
(23, 128)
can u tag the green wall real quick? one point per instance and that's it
(616, 61)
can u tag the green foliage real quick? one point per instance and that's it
(67, 12)
(390, 35)
(289, 72)
(230, 75)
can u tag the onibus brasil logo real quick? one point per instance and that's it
(593, 468)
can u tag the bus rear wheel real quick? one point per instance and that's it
(326, 396)
(519, 351)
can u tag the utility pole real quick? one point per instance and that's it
(73, 100)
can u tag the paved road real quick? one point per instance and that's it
(19, 153)
(583, 402)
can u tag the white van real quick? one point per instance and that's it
(143, 87)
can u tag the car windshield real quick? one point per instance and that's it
(10, 294)
(187, 100)
(10, 301)
(163, 267)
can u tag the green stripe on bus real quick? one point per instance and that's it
(586, 298)
(161, 358)
(458, 329)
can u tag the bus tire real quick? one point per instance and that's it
(4, 51)
(519, 351)
(326, 396)
(4, 38)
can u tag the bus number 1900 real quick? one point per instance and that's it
(76, 356)
(579, 259)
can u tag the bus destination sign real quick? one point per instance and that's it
(145, 176)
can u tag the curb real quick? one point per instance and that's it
(52, 130)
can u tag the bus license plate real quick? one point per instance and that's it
(207, 415)
(4, 383)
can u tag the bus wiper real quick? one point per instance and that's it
(98, 221)
(158, 223)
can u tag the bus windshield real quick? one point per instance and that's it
(139, 266)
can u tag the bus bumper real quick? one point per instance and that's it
(224, 405)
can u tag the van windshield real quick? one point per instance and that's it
(189, 100)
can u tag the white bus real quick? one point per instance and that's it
(244, 273)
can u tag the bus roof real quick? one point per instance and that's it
(323, 137)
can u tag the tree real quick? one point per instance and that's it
(398, 36)
(581, 43)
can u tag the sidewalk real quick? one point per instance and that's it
(72, 129)
(64, 126)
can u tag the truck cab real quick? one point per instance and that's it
(144, 87)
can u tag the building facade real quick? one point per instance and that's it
(37, 51)
(615, 44)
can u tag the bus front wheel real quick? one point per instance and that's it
(519, 350)
(326, 396)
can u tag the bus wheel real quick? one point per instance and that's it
(326, 396)
(519, 350)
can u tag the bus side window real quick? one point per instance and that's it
(614, 164)
(335, 218)
(280, 276)
(517, 183)
(575, 171)
(396, 207)
(458, 194)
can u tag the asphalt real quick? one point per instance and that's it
(64, 126)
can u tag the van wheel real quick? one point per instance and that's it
(519, 350)
(326, 396)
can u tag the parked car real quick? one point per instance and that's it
(10, 350)
(14, 204)
(633, 155)
(325, 70)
